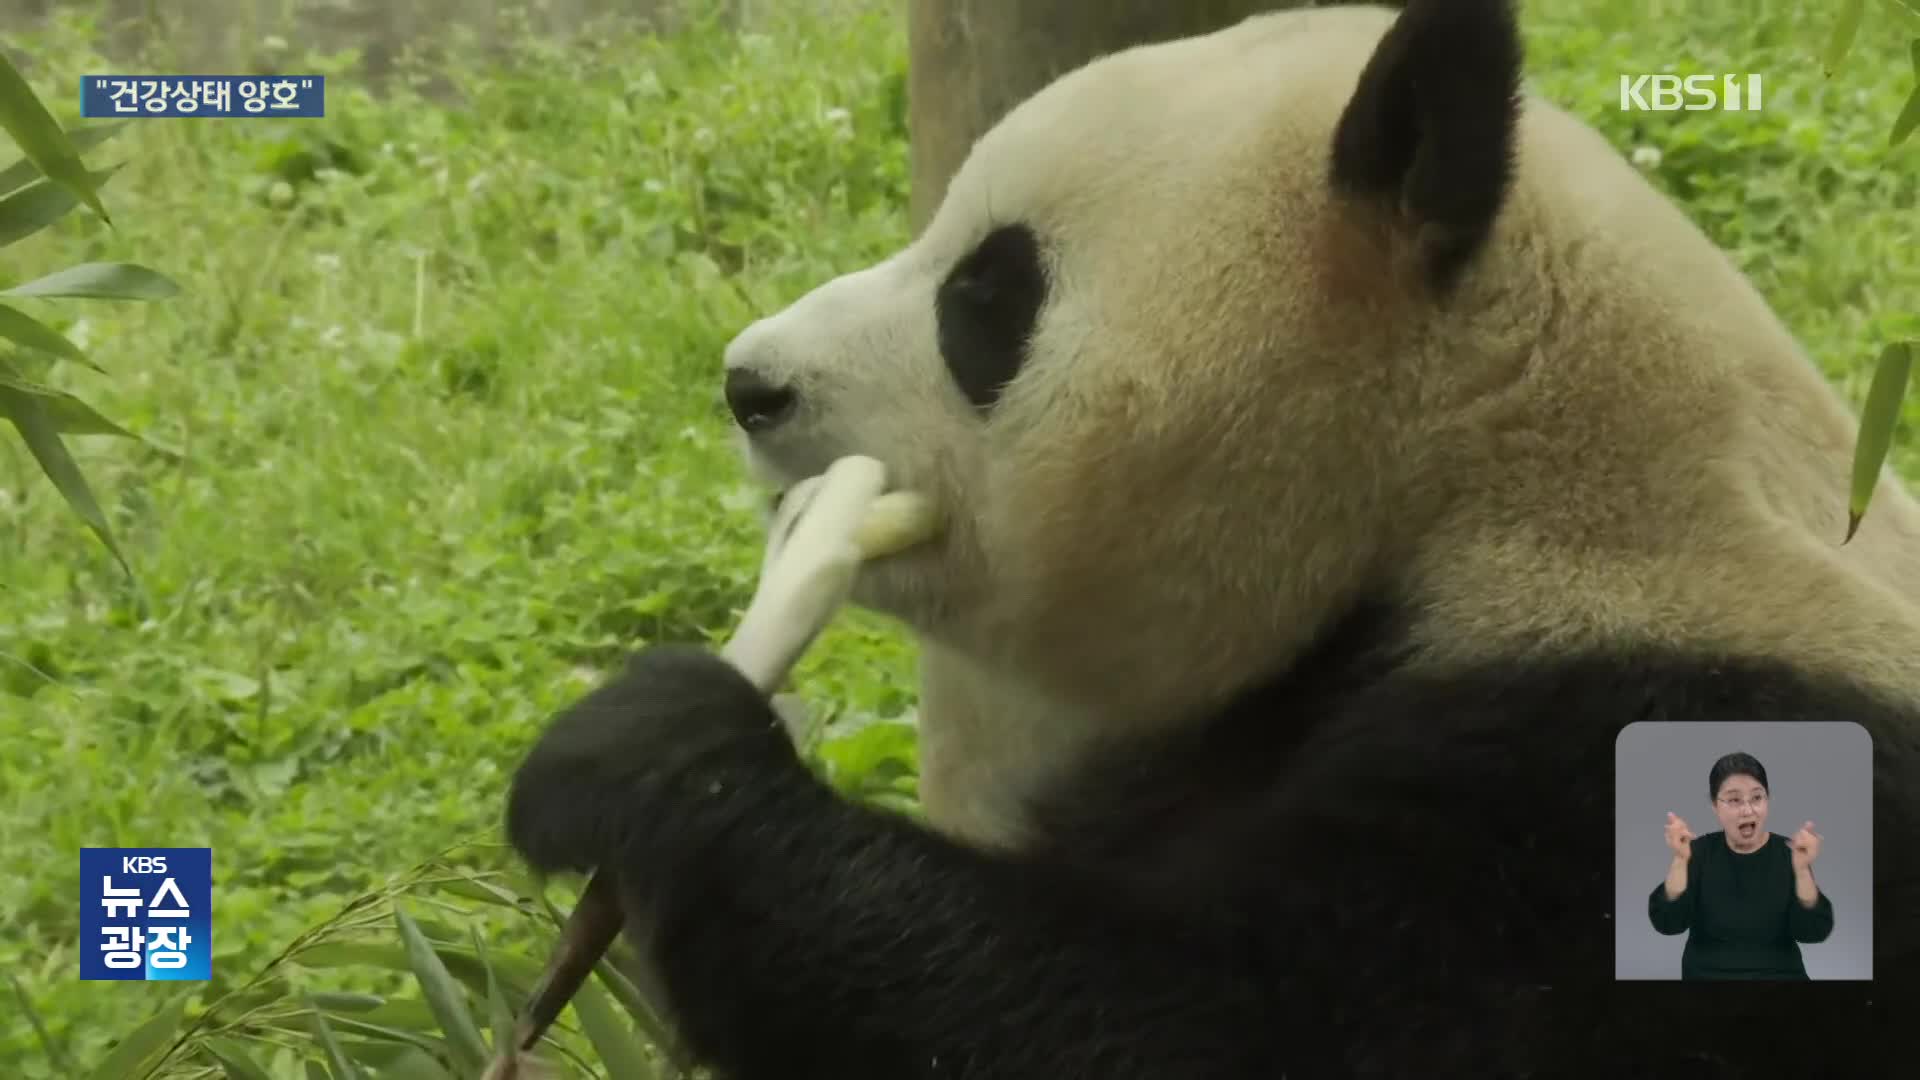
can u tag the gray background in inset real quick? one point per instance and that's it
(1819, 771)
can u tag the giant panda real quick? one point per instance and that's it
(1338, 447)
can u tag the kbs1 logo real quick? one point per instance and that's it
(1667, 93)
(146, 913)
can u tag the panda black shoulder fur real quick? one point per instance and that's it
(1339, 448)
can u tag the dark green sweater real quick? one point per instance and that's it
(1744, 919)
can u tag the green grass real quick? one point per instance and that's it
(445, 376)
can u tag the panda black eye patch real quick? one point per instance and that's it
(986, 310)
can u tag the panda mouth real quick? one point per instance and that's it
(777, 495)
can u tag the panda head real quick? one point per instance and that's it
(1211, 338)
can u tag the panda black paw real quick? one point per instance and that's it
(629, 775)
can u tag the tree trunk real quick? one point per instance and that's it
(970, 61)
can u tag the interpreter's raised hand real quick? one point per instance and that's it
(1679, 837)
(1806, 847)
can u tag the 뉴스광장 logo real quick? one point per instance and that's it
(146, 913)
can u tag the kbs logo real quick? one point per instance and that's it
(146, 913)
(1665, 93)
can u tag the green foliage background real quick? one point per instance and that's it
(441, 376)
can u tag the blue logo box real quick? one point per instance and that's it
(106, 96)
(146, 913)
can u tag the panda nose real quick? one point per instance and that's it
(756, 402)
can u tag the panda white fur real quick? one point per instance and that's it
(1339, 448)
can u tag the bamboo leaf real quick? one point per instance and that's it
(100, 281)
(1877, 420)
(68, 414)
(499, 1011)
(414, 1064)
(135, 1054)
(39, 205)
(636, 1002)
(28, 332)
(375, 1057)
(404, 1014)
(1844, 30)
(339, 1002)
(444, 994)
(29, 415)
(337, 1062)
(83, 139)
(234, 1060)
(612, 1040)
(10, 377)
(1909, 117)
(517, 975)
(388, 1033)
(485, 892)
(42, 139)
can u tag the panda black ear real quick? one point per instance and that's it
(1430, 126)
